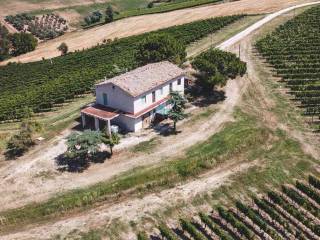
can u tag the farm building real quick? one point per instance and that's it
(134, 99)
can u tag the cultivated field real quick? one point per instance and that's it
(140, 24)
(258, 142)
(292, 213)
(52, 83)
(294, 53)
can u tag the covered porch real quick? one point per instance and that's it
(100, 114)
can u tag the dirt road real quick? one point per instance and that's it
(135, 208)
(10, 28)
(140, 24)
(35, 178)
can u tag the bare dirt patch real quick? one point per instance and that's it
(71, 15)
(19, 186)
(147, 23)
(135, 209)
(132, 209)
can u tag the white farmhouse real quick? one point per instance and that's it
(133, 100)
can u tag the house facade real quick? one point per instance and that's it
(133, 100)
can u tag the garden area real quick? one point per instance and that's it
(48, 26)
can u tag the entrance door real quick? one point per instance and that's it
(105, 99)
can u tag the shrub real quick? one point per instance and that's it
(216, 67)
(19, 144)
(63, 48)
(109, 14)
(94, 17)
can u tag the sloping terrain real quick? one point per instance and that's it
(136, 25)
(280, 156)
(18, 6)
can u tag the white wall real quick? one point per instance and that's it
(138, 124)
(117, 98)
(138, 105)
(125, 123)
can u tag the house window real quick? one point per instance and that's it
(179, 81)
(170, 87)
(105, 99)
(143, 99)
(153, 96)
(161, 91)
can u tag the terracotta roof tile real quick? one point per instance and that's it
(143, 79)
(101, 112)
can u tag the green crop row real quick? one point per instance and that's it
(41, 85)
(293, 50)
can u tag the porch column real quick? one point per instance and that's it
(83, 118)
(108, 128)
(96, 124)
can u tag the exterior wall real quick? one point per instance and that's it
(125, 123)
(137, 124)
(139, 105)
(117, 98)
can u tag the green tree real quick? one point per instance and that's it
(176, 113)
(63, 48)
(4, 43)
(84, 146)
(109, 14)
(159, 47)
(93, 17)
(216, 67)
(23, 43)
(113, 140)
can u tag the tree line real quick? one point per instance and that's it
(44, 84)
(15, 44)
